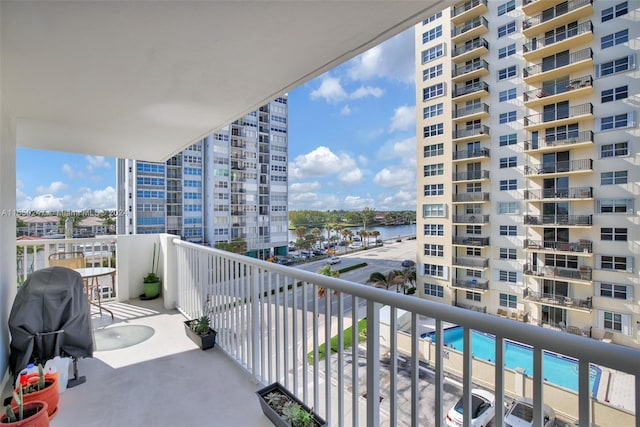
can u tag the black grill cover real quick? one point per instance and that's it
(50, 317)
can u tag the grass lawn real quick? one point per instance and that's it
(347, 339)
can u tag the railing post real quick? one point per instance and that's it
(255, 323)
(373, 363)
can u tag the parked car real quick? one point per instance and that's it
(483, 409)
(334, 260)
(318, 252)
(342, 243)
(355, 245)
(408, 263)
(520, 414)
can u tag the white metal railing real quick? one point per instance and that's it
(269, 316)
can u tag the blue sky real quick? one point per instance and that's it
(351, 144)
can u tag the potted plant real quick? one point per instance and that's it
(32, 414)
(151, 281)
(284, 409)
(38, 387)
(200, 332)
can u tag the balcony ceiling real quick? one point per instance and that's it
(145, 79)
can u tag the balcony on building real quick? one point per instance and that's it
(570, 38)
(585, 220)
(559, 116)
(544, 145)
(559, 301)
(558, 194)
(471, 197)
(463, 72)
(472, 307)
(555, 16)
(471, 154)
(476, 175)
(464, 92)
(560, 91)
(561, 64)
(564, 167)
(470, 241)
(580, 274)
(469, 29)
(469, 50)
(468, 10)
(472, 133)
(474, 112)
(582, 247)
(471, 284)
(471, 219)
(470, 262)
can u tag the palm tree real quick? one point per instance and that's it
(329, 226)
(408, 276)
(327, 271)
(375, 234)
(368, 214)
(380, 280)
(346, 233)
(363, 234)
(301, 232)
(316, 232)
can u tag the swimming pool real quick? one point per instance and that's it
(557, 369)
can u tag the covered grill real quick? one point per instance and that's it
(50, 317)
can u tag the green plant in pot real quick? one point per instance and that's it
(200, 332)
(33, 414)
(151, 281)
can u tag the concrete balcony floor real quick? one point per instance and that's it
(147, 372)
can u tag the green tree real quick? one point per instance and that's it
(237, 246)
(316, 233)
(346, 234)
(381, 280)
(301, 232)
(408, 277)
(375, 234)
(367, 215)
(326, 270)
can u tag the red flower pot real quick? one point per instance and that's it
(48, 394)
(35, 415)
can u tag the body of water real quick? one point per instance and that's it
(557, 369)
(386, 232)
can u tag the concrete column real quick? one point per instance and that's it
(8, 213)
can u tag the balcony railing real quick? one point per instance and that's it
(573, 58)
(475, 131)
(559, 114)
(557, 300)
(558, 88)
(540, 42)
(471, 175)
(470, 241)
(466, 7)
(471, 154)
(468, 47)
(584, 246)
(471, 219)
(268, 318)
(467, 89)
(559, 193)
(469, 25)
(559, 167)
(541, 143)
(583, 220)
(554, 13)
(466, 69)
(471, 197)
(584, 272)
(476, 262)
(463, 112)
(471, 284)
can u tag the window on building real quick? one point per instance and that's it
(615, 11)
(507, 208)
(473, 296)
(507, 73)
(618, 149)
(613, 233)
(506, 7)
(434, 230)
(508, 162)
(508, 94)
(507, 276)
(508, 117)
(508, 253)
(431, 190)
(614, 39)
(433, 91)
(508, 300)
(615, 263)
(437, 210)
(510, 139)
(432, 53)
(612, 290)
(508, 230)
(619, 65)
(435, 270)
(474, 229)
(433, 130)
(612, 178)
(507, 29)
(432, 18)
(615, 94)
(433, 290)
(433, 150)
(434, 170)
(507, 51)
(432, 34)
(433, 111)
(619, 121)
(432, 72)
(433, 250)
(612, 321)
(614, 206)
(508, 184)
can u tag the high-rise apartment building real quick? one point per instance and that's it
(230, 185)
(528, 162)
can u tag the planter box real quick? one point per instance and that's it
(205, 342)
(273, 416)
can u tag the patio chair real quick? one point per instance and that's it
(70, 260)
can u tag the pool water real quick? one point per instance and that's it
(557, 369)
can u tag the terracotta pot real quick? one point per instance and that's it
(48, 394)
(31, 417)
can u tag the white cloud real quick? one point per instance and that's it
(404, 118)
(303, 197)
(351, 177)
(68, 170)
(87, 198)
(395, 177)
(53, 188)
(84, 198)
(319, 163)
(363, 91)
(46, 202)
(303, 187)
(97, 162)
(330, 90)
(345, 111)
(405, 150)
(393, 59)
(357, 202)
(401, 200)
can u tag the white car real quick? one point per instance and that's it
(334, 260)
(483, 409)
(520, 414)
